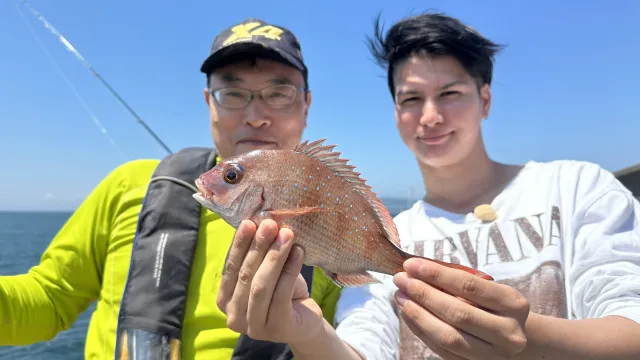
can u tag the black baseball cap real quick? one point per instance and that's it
(254, 36)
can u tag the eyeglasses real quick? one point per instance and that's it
(275, 95)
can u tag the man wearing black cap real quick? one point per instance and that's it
(250, 60)
(149, 254)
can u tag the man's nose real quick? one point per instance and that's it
(431, 114)
(257, 114)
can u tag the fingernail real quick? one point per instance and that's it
(401, 280)
(401, 298)
(413, 265)
(295, 254)
(284, 237)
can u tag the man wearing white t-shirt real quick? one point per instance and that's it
(561, 239)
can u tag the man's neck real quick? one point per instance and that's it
(460, 188)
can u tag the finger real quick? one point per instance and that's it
(485, 293)
(235, 256)
(484, 325)
(442, 334)
(292, 286)
(265, 280)
(300, 290)
(444, 354)
(237, 307)
(283, 294)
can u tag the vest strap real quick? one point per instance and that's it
(153, 303)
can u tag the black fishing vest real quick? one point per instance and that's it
(155, 294)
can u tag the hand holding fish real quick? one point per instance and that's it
(262, 292)
(453, 328)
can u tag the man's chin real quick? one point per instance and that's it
(247, 146)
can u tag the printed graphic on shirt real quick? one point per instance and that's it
(505, 242)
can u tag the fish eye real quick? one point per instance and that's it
(233, 174)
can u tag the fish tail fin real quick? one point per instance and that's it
(472, 271)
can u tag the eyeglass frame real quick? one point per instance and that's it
(253, 94)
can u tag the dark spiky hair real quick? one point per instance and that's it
(433, 34)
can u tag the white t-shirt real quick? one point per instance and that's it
(567, 236)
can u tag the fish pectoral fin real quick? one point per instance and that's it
(283, 214)
(349, 280)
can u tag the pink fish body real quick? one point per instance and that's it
(339, 222)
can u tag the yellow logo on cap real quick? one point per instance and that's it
(246, 31)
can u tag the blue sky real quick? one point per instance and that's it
(566, 87)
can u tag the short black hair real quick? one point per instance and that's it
(433, 34)
(252, 59)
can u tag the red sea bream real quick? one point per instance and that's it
(339, 222)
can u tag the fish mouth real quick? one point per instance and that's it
(228, 213)
(204, 196)
(203, 191)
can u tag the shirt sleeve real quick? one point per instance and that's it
(367, 321)
(49, 298)
(604, 276)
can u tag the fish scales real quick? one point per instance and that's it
(337, 219)
(305, 182)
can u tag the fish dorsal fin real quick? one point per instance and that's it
(325, 154)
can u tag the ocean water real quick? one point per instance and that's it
(24, 236)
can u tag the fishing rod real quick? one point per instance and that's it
(71, 49)
(75, 91)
